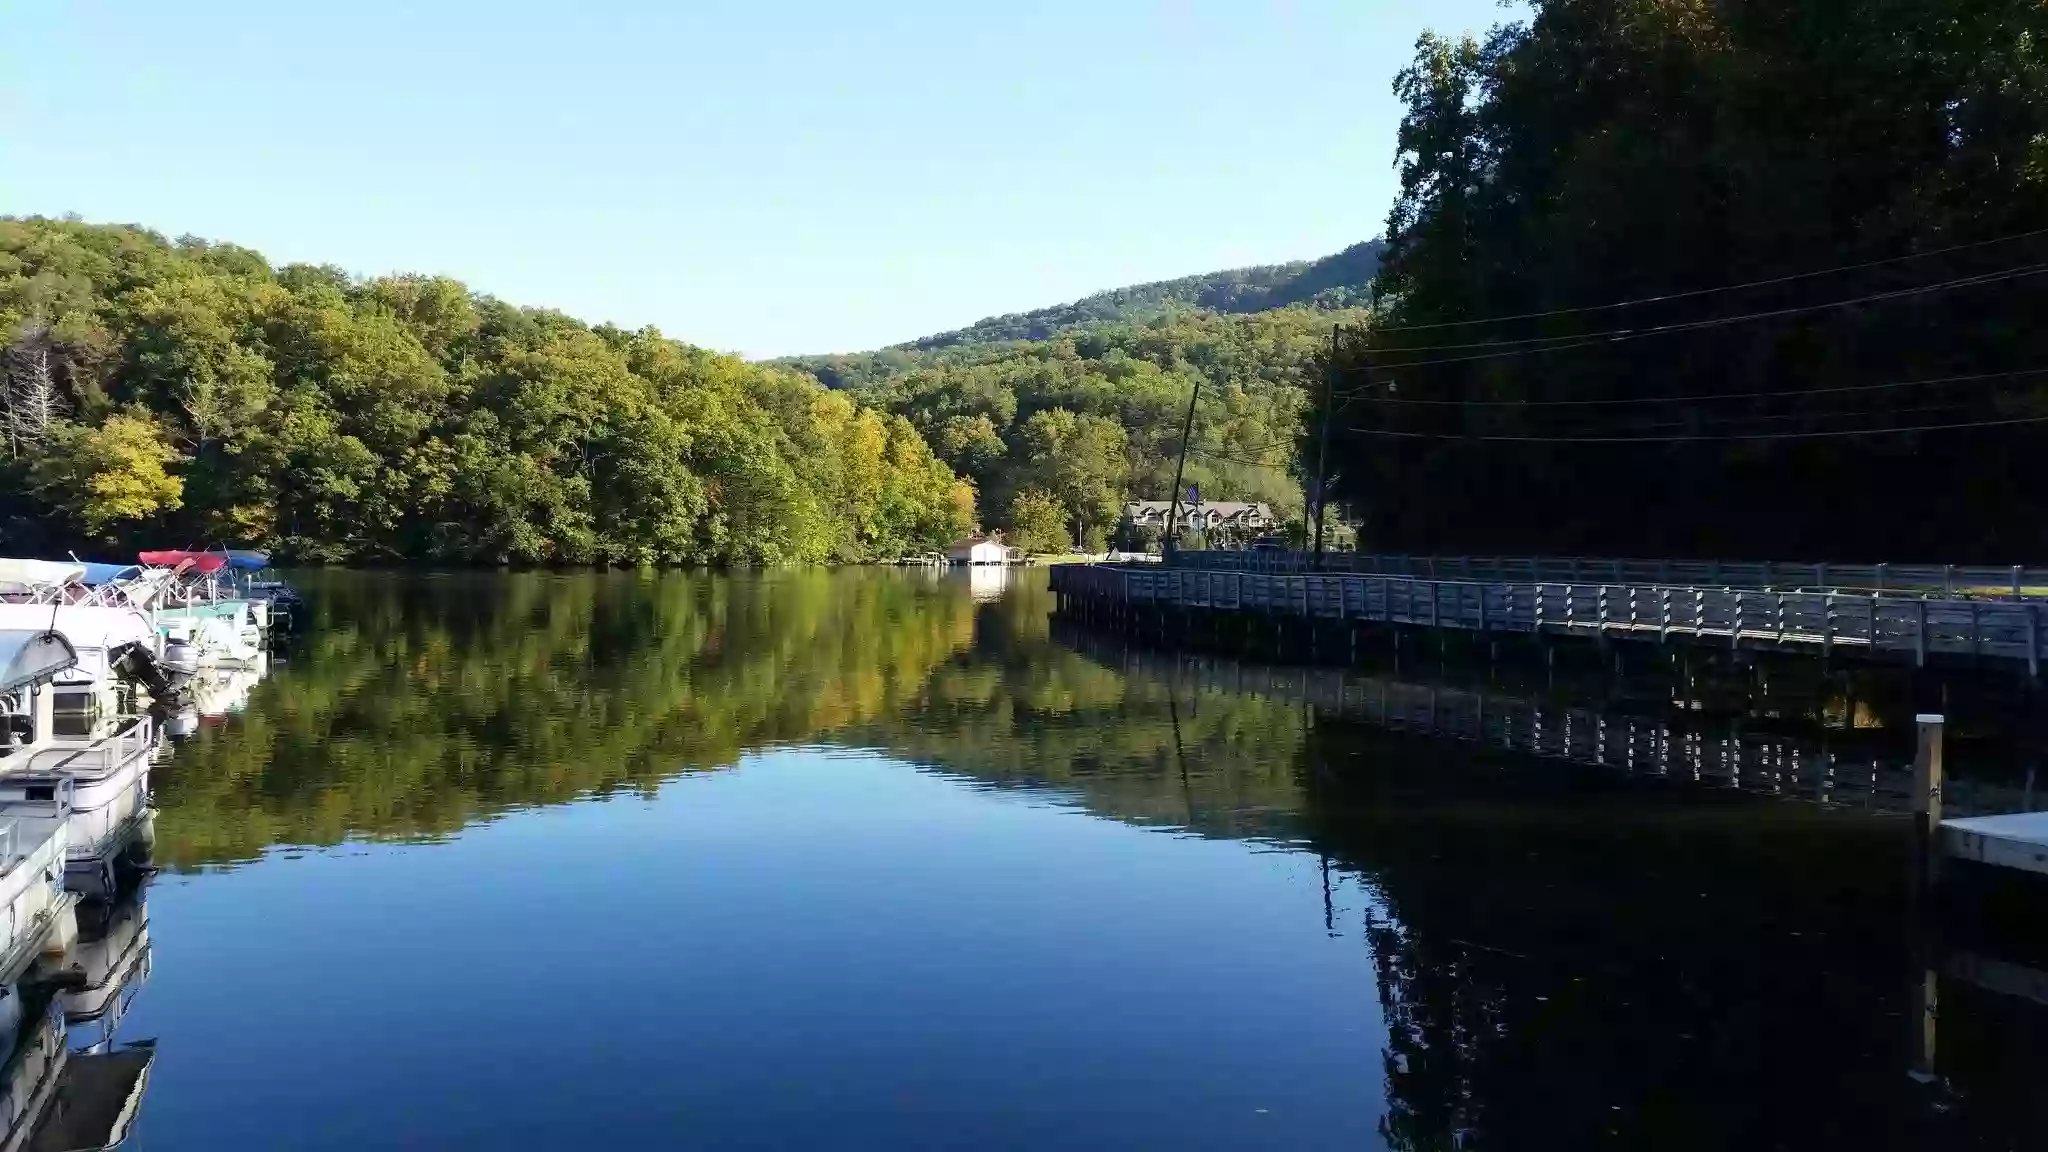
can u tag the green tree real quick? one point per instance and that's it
(332, 419)
(110, 476)
(1591, 168)
(1037, 523)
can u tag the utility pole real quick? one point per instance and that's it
(1322, 497)
(1187, 428)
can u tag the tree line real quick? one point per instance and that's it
(188, 393)
(1057, 434)
(1545, 373)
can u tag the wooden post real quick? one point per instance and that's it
(1920, 633)
(2033, 641)
(1927, 788)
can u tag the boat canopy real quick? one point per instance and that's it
(18, 576)
(97, 574)
(247, 560)
(84, 625)
(201, 561)
(31, 657)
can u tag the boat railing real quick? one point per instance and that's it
(135, 739)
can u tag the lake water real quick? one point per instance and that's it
(879, 859)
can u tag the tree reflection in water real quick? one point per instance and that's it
(1565, 957)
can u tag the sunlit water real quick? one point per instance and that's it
(871, 859)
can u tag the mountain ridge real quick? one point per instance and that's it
(1341, 279)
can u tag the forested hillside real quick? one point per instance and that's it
(1875, 174)
(1336, 281)
(1061, 414)
(1057, 433)
(189, 393)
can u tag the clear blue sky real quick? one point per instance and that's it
(759, 177)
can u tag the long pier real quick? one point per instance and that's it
(1950, 580)
(1944, 614)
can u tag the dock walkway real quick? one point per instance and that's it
(1949, 580)
(1913, 627)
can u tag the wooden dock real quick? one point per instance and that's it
(1900, 626)
(1949, 580)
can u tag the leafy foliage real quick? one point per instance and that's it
(1629, 150)
(1092, 417)
(1335, 281)
(212, 398)
(112, 474)
(1037, 524)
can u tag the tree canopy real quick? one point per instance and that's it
(1691, 278)
(1341, 279)
(1091, 417)
(188, 392)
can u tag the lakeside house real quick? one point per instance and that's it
(981, 550)
(1232, 516)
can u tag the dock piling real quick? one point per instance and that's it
(1927, 754)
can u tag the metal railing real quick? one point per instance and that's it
(1904, 626)
(138, 737)
(1948, 580)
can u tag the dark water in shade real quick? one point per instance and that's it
(873, 859)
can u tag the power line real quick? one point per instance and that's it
(1777, 417)
(1381, 432)
(1697, 292)
(1701, 398)
(1617, 335)
(1203, 452)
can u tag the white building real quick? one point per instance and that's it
(1208, 516)
(978, 550)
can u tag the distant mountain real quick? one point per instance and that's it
(1336, 281)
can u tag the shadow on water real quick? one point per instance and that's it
(1669, 909)
(1656, 910)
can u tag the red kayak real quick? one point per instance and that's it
(199, 561)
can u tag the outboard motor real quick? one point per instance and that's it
(182, 724)
(181, 656)
(134, 662)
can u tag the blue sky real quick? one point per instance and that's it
(765, 178)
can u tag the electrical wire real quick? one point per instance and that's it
(1697, 292)
(1701, 398)
(1834, 433)
(1205, 453)
(1618, 335)
(1777, 417)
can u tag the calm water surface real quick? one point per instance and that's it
(876, 859)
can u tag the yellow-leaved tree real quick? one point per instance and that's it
(116, 473)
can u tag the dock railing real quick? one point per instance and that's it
(1895, 625)
(2014, 582)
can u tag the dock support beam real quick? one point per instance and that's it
(1927, 790)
